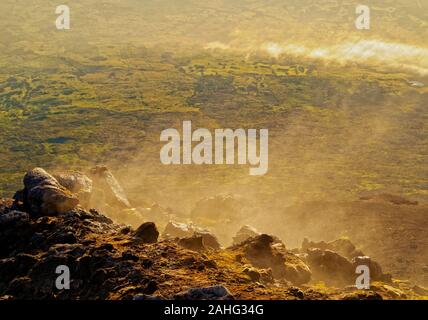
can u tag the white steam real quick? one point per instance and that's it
(394, 55)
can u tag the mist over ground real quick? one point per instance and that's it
(346, 110)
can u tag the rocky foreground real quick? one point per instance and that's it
(48, 224)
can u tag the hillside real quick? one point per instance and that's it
(42, 229)
(346, 112)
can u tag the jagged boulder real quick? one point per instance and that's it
(265, 251)
(44, 195)
(330, 267)
(261, 253)
(245, 233)
(78, 183)
(296, 270)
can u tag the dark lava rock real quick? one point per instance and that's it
(151, 287)
(15, 232)
(147, 233)
(148, 297)
(129, 256)
(13, 219)
(295, 292)
(208, 293)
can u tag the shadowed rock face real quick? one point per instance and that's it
(43, 195)
(330, 267)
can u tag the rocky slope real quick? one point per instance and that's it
(47, 226)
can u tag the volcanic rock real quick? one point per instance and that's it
(208, 293)
(296, 271)
(147, 233)
(258, 275)
(13, 218)
(245, 233)
(43, 195)
(148, 297)
(107, 261)
(77, 183)
(182, 230)
(209, 240)
(194, 243)
(265, 251)
(330, 267)
(107, 189)
(178, 230)
(342, 246)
